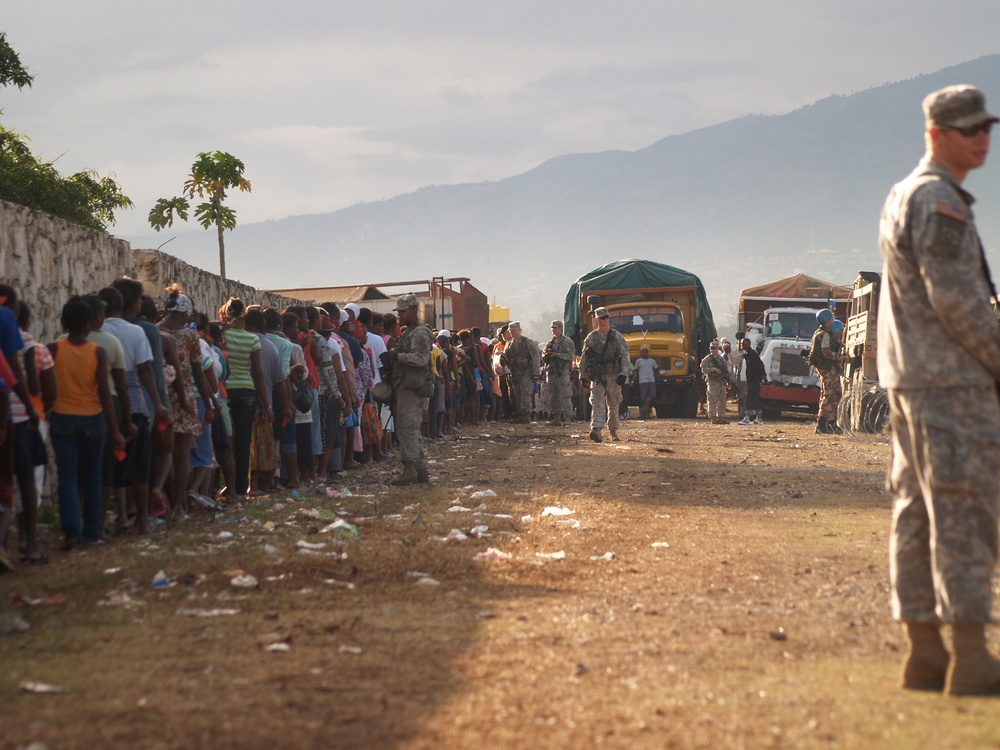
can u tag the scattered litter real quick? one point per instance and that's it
(42, 687)
(343, 529)
(270, 549)
(779, 635)
(554, 510)
(500, 515)
(660, 544)
(26, 601)
(560, 555)
(225, 535)
(303, 544)
(570, 522)
(416, 574)
(313, 513)
(526, 519)
(455, 535)
(482, 494)
(185, 612)
(11, 622)
(428, 581)
(278, 506)
(349, 650)
(331, 492)
(409, 508)
(112, 571)
(121, 599)
(160, 581)
(244, 581)
(303, 551)
(479, 531)
(342, 584)
(605, 556)
(282, 577)
(269, 525)
(486, 615)
(278, 648)
(493, 554)
(458, 509)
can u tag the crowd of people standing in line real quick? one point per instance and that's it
(153, 410)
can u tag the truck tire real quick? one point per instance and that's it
(770, 411)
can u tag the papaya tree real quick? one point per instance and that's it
(212, 174)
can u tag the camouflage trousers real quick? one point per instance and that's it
(521, 390)
(560, 394)
(605, 398)
(945, 480)
(408, 415)
(716, 399)
(830, 393)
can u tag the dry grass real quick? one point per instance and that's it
(763, 624)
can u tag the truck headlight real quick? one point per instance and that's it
(678, 364)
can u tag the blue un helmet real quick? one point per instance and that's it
(824, 316)
(837, 326)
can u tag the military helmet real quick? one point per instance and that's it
(837, 326)
(824, 316)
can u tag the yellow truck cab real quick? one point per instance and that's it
(650, 303)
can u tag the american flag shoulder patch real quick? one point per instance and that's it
(944, 208)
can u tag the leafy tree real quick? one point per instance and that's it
(83, 198)
(211, 176)
(12, 72)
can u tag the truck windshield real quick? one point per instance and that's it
(636, 320)
(790, 325)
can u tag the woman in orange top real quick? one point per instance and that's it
(81, 417)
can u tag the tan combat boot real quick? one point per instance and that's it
(422, 475)
(595, 435)
(926, 663)
(614, 436)
(974, 670)
(409, 475)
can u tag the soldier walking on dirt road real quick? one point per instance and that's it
(716, 372)
(558, 361)
(827, 364)
(939, 356)
(605, 360)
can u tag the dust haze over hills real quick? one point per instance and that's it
(739, 203)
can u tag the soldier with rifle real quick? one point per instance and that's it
(522, 357)
(557, 359)
(604, 362)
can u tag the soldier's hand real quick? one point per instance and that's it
(387, 357)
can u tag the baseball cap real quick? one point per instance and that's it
(444, 333)
(956, 107)
(406, 301)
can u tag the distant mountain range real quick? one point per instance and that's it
(740, 203)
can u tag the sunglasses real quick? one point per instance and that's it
(973, 130)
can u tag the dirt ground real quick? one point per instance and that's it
(698, 586)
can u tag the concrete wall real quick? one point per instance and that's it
(48, 260)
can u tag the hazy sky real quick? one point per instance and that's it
(333, 103)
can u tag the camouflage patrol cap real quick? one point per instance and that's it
(956, 107)
(601, 312)
(556, 324)
(406, 301)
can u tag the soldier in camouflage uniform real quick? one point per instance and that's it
(412, 383)
(558, 361)
(521, 355)
(716, 372)
(939, 356)
(605, 358)
(827, 363)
